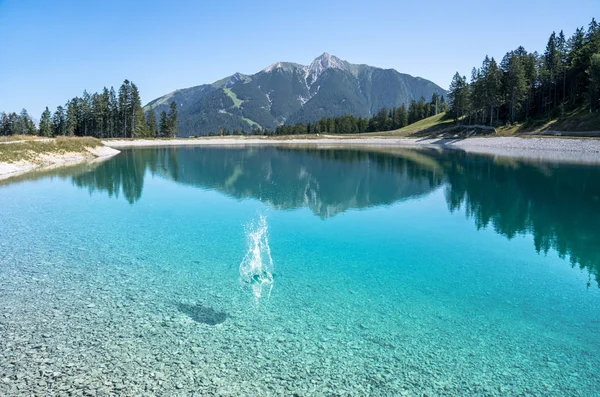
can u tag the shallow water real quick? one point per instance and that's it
(394, 272)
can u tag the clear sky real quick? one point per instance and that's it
(51, 51)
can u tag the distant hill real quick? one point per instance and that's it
(287, 93)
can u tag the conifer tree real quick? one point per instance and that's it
(25, 125)
(139, 127)
(59, 122)
(594, 75)
(459, 96)
(5, 125)
(172, 120)
(70, 119)
(125, 109)
(403, 116)
(46, 123)
(151, 122)
(164, 125)
(113, 107)
(516, 84)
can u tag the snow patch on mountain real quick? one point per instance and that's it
(285, 66)
(313, 71)
(272, 67)
(321, 64)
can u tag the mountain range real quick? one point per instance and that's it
(288, 93)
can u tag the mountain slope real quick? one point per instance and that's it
(288, 92)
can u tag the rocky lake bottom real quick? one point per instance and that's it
(101, 296)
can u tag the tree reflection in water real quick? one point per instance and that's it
(558, 204)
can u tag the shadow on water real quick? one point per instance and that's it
(203, 314)
(558, 204)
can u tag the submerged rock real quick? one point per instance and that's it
(203, 314)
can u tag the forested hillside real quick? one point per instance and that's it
(100, 115)
(385, 120)
(526, 86)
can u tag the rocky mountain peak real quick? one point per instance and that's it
(321, 64)
(236, 78)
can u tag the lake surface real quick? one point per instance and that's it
(278, 271)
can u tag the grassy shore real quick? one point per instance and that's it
(19, 156)
(27, 148)
(13, 138)
(577, 123)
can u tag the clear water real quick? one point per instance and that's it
(273, 271)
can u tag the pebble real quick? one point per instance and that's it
(85, 351)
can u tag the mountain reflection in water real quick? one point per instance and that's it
(559, 204)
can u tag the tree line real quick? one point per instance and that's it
(527, 85)
(101, 115)
(385, 120)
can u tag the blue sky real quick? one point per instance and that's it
(51, 51)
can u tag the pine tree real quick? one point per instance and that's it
(9, 123)
(476, 95)
(85, 114)
(106, 115)
(70, 119)
(403, 116)
(516, 84)
(75, 117)
(443, 105)
(113, 108)
(594, 88)
(125, 109)
(46, 123)
(551, 64)
(58, 121)
(96, 118)
(459, 96)
(172, 120)
(492, 86)
(26, 124)
(164, 125)
(151, 122)
(139, 127)
(4, 125)
(435, 102)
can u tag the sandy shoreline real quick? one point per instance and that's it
(54, 160)
(548, 149)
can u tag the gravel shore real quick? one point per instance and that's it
(547, 149)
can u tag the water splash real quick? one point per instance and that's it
(256, 269)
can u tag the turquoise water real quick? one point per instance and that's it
(274, 271)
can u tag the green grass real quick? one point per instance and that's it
(237, 102)
(428, 123)
(252, 123)
(12, 138)
(577, 123)
(426, 127)
(32, 150)
(247, 120)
